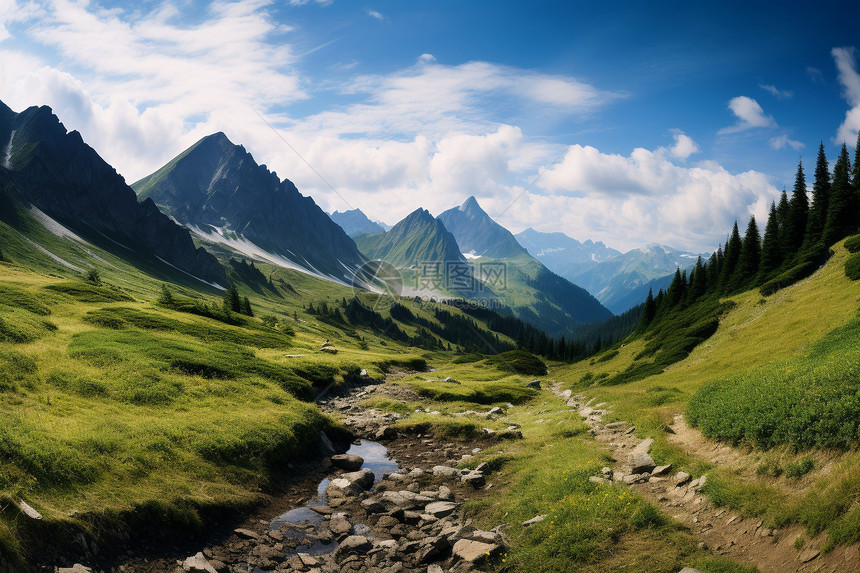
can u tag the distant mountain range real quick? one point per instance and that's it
(564, 255)
(217, 189)
(65, 178)
(354, 222)
(619, 280)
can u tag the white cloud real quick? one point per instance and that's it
(377, 15)
(684, 146)
(776, 92)
(781, 141)
(644, 198)
(850, 80)
(749, 113)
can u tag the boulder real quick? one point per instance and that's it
(534, 384)
(28, 510)
(347, 462)
(340, 488)
(198, 564)
(76, 568)
(682, 478)
(661, 470)
(445, 471)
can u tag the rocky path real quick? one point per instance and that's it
(679, 495)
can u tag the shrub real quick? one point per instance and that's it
(852, 267)
(853, 244)
(788, 278)
(518, 362)
(799, 468)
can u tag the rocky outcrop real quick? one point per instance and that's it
(59, 173)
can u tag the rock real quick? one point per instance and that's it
(362, 478)
(347, 462)
(246, 534)
(661, 470)
(809, 555)
(389, 544)
(450, 380)
(339, 526)
(690, 570)
(445, 471)
(496, 411)
(385, 433)
(76, 568)
(435, 568)
(644, 446)
(682, 478)
(534, 384)
(597, 479)
(329, 349)
(340, 488)
(440, 509)
(475, 552)
(308, 560)
(445, 493)
(632, 478)
(28, 510)
(641, 462)
(198, 564)
(372, 505)
(532, 521)
(352, 545)
(474, 479)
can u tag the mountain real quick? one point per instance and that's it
(478, 234)
(418, 238)
(355, 222)
(614, 280)
(532, 292)
(217, 189)
(65, 178)
(562, 254)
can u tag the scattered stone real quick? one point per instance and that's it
(352, 545)
(661, 470)
(347, 462)
(641, 462)
(534, 384)
(532, 521)
(445, 471)
(362, 478)
(474, 479)
(246, 533)
(308, 560)
(682, 478)
(76, 568)
(198, 564)
(450, 380)
(596, 479)
(28, 510)
(439, 509)
(809, 555)
(475, 552)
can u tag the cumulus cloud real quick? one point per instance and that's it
(749, 113)
(684, 146)
(776, 92)
(783, 141)
(850, 80)
(648, 197)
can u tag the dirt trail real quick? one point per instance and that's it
(719, 530)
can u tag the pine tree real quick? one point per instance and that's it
(166, 298)
(842, 206)
(783, 212)
(675, 292)
(648, 311)
(855, 171)
(749, 258)
(771, 250)
(820, 200)
(246, 307)
(730, 258)
(232, 302)
(798, 213)
(698, 282)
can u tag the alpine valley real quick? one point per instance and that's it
(205, 372)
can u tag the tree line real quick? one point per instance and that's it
(796, 241)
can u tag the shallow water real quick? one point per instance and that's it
(302, 521)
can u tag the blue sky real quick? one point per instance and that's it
(626, 122)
